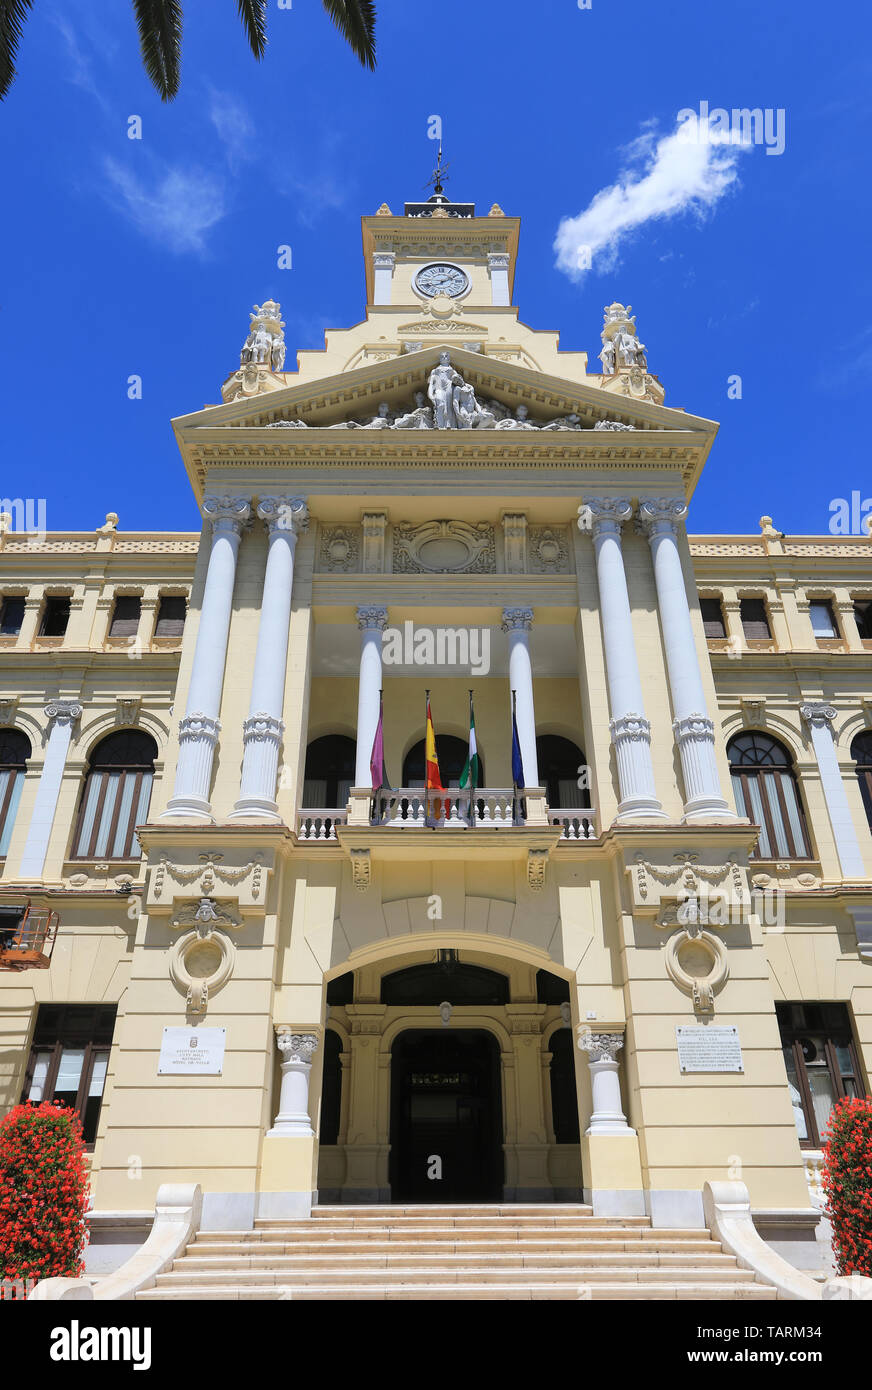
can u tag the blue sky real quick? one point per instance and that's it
(143, 257)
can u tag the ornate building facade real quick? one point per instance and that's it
(640, 965)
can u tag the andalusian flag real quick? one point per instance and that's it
(432, 778)
(471, 774)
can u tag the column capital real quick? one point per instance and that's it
(497, 260)
(818, 713)
(517, 618)
(63, 712)
(601, 1047)
(295, 1046)
(284, 514)
(604, 515)
(658, 515)
(196, 726)
(226, 513)
(372, 617)
(384, 260)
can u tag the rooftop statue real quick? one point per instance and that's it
(621, 347)
(265, 344)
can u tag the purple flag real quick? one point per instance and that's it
(377, 757)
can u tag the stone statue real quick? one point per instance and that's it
(382, 421)
(440, 389)
(612, 425)
(518, 421)
(277, 356)
(607, 357)
(565, 422)
(621, 347)
(421, 418)
(265, 344)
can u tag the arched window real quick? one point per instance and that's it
(451, 752)
(861, 752)
(331, 1089)
(564, 1101)
(766, 792)
(14, 751)
(116, 796)
(329, 774)
(563, 772)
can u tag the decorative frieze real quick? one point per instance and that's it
(444, 547)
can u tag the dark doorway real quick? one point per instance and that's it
(446, 1117)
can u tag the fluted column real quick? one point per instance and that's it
(608, 1112)
(694, 730)
(372, 621)
(820, 717)
(199, 730)
(630, 730)
(62, 715)
(285, 519)
(517, 622)
(297, 1050)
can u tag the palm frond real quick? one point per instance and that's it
(253, 16)
(13, 13)
(355, 20)
(160, 41)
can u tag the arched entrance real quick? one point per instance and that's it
(446, 1117)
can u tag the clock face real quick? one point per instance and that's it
(441, 278)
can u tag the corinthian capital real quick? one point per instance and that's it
(289, 514)
(372, 616)
(604, 514)
(295, 1047)
(517, 618)
(226, 513)
(660, 514)
(600, 1047)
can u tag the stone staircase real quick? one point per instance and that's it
(457, 1252)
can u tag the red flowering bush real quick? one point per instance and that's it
(43, 1193)
(847, 1182)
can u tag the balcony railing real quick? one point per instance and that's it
(413, 808)
(26, 937)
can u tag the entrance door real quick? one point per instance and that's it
(446, 1117)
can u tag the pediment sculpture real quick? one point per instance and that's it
(450, 403)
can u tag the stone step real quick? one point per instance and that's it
(456, 1260)
(443, 1274)
(450, 1245)
(455, 1292)
(374, 1209)
(571, 1223)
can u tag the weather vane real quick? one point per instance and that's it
(439, 173)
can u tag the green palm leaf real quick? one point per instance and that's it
(13, 13)
(355, 20)
(160, 40)
(253, 16)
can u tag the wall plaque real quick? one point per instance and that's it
(709, 1049)
(191, 1052)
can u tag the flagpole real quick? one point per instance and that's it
(473, 818)
(426, 778)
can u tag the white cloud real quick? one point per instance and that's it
(234, 127)
(688, 170)
(177, 209)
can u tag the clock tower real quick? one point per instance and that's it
(439, 256)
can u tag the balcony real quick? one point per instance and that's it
(26, 937)
(413, 808)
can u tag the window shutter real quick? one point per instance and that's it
(171, 616)
(822, 621)
(712, 617)
(125, 616)
(755, 623)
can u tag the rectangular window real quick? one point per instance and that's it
(713, 617)
(55, 616)
(755, 622)
(125, 616)
(823, 620)
(863, 616)
(11, 616)
(171, 616)
(114, 803)
(69, 1059)
(821, 1061)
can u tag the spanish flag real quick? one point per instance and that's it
(432, 777)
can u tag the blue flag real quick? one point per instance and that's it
(517, 763)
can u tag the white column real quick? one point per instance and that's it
(694, 731)
(199, 730)
(383, 274)
(630, 730)
(62, 715)
(297, 1051)
(285, 518)
(608, 1112)
(498, 266)
(517, 623)
(372, 621)
(819, 716)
